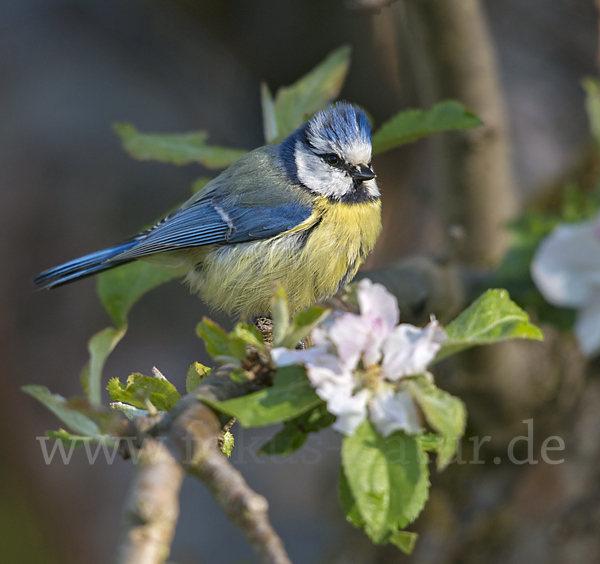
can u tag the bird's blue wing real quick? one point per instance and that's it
(209, 222)
(205, 222)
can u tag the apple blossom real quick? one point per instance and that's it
(359, 361)
(566, 270)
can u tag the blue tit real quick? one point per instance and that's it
(304, 213)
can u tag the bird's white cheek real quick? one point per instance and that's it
(319, 177)
(372, 188)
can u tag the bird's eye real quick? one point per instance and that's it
(332, 159)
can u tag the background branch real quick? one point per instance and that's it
(453, 57)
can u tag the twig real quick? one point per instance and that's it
(152, 507)
(196, 431)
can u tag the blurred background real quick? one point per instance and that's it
(71, 68)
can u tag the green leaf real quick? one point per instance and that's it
(142, 389)
(270, 128)
(280, 314)
(429, 442)
(303, 323)
(294, 104)
(388, 479)
(178, 149)
(295, 432)
(249, 335)
(228, 442)
(444, 413)
(404, 540)
(289, 396)
(592, 106)
(410, 125)
(64, 410)
(120, 288)
(348, 503)
(492, 318)
(68, 439)
(99, 347)
(195, 375)
(215, 337)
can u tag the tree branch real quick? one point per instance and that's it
(152, 507)
(196, 431)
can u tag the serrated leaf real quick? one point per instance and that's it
(295, 432)
(270, 128)
(74, 419)
(177, 149)
(280, 314)
(592, 106)
(295, 103)
(404, 540)
(120, 288)
(445, 414)
(290, 395)
(140, 389)
(303, 323)
(99, 346)
(68, 439)
(410, 125)
(388, 479)
(195, 375)
(249, 335)
(228, 442)
(214, 336)
(492, 318)
(348, 503)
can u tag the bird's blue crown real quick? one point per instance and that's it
(337, 128)
(342, 124)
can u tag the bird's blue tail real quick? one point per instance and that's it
(83, 266)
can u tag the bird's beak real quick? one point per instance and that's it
(362, 173)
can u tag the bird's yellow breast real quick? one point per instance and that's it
(310, 261)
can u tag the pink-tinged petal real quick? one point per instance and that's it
(393, 411)
(566, 265)
(350, 411)
(350, 335)
(375, 301)
(378, 332)
(409, 349)
(286, 357)
(587, 326)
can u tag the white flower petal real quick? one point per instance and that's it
(350, 335)
(375, 301)
(350, 411)
(587, 326)
(409, 349)
(566, 265)
(393, 411)
(331, 381)
(286, 357)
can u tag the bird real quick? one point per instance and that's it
(303, 213)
